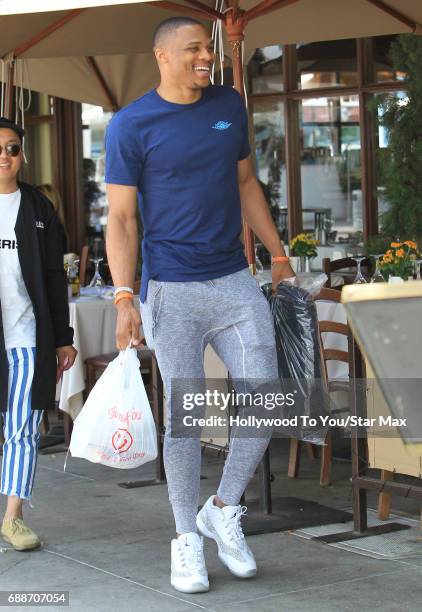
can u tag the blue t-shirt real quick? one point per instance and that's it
(183, 160)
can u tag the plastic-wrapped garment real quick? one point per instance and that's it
(299, 353)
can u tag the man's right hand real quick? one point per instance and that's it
(128, 325)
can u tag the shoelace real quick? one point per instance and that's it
(191, 556)
(19, 525)
(234, 526)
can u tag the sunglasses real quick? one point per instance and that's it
(11, 150)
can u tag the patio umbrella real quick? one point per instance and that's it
(100, 27)
(90, 28)
(110, 81)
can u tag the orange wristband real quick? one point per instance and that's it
(123, 295)
(279, 259)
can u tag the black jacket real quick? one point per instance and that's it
(40, 254)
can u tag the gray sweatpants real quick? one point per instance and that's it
(179, 320)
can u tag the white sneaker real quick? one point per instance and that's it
(223, 526)
(188, 571)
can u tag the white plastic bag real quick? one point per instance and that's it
(115, 427)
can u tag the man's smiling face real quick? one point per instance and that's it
(186, 57)
(9, 166)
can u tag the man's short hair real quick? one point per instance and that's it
(169, 26)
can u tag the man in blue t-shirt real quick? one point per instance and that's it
(182, 149)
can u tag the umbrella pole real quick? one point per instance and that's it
(235, 24)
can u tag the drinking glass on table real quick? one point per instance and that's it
(417, 268)
(97, 281)
(377, 276)
(359, 278)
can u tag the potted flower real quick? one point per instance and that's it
(399, 260)
(304, 246)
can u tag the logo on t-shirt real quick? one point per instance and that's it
(221, 125)
(39, 224)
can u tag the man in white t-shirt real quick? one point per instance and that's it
(35, 337)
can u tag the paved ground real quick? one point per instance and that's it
(109, 547)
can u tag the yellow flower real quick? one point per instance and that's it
(400, 253)
(305, 238)
(395, 245)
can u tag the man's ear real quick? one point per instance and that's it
(160, 55)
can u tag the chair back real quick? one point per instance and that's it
(332, 354)
(345, 263)
(83, 262)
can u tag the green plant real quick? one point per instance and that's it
(400, 164)
(378, 243)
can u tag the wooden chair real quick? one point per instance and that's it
(329, 354)
(348, 265)
(83, 262)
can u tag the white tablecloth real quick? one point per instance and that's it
(94, 321)
(265, 277)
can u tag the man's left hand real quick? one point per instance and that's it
(66, 356)
(281, 271)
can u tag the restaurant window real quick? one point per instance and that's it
(330, 161)
(383, 63)
(94, 121)
(269, 140)
(327, 64)
(381, 153)
(39, 139)
(266, 70)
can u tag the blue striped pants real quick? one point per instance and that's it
(21, 425)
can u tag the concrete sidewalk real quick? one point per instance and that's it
(110, 547)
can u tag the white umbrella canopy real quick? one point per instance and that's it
(8, 7)
(121, 28)
(127, 77)
(99, 55)
(100, 27)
